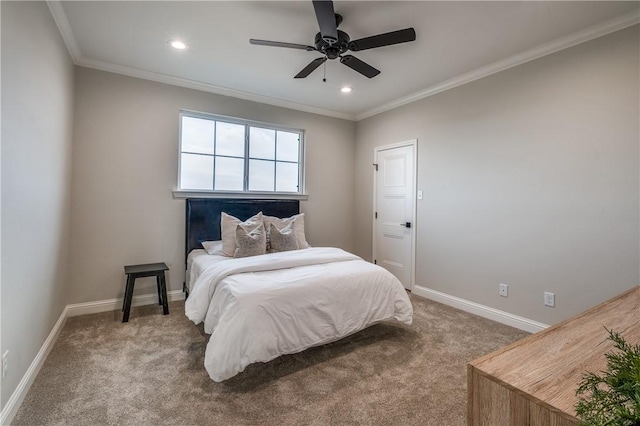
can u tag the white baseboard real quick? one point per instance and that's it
(481, 310)
(11, 408)
(115, 304)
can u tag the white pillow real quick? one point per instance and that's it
(228, 225)
(212, 247)
(298, 227)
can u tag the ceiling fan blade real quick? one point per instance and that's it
(359, 66)
(281, 44)
(386, 39)
(311, 67)
(326, 20)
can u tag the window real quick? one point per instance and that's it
(232, 155)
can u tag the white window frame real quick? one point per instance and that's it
(246, 193)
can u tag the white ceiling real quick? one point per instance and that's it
(456, 42)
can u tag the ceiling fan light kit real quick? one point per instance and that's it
(333, 43)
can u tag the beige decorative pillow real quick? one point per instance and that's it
(298, 227)
(228, 226)
(283, 239)
(250, 242)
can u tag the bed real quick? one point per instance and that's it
(260, 307)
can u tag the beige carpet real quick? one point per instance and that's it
(150, 372)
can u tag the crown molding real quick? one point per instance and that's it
(60, 18)
(571, 40)
(206, 87)
(595, 31)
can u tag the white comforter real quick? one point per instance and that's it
(261, 307)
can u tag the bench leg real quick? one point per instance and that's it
(163, 284)
(127, 298)
(126, 291)
(159, 290)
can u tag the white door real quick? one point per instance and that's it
(394, 209)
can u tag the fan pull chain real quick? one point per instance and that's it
(324, 72)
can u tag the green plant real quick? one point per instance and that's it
(613, 396)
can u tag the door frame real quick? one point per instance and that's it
(376, 150)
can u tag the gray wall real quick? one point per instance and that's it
(37, 116)
(125, 167)
(530, 178)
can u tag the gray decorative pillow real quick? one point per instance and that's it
(298, 227)
(228, 225)
(251, 241)
(283, 239)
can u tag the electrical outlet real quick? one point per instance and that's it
(420, 195)
(549, 299)
(504, 290)
(5, 364)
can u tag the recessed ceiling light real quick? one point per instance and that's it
(346, 89)
(177, 44)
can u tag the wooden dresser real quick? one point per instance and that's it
(533, 381)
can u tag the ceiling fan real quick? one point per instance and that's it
(333, 43)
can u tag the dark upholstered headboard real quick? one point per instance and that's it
(202, 218)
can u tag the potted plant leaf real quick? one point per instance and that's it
(612, 397)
